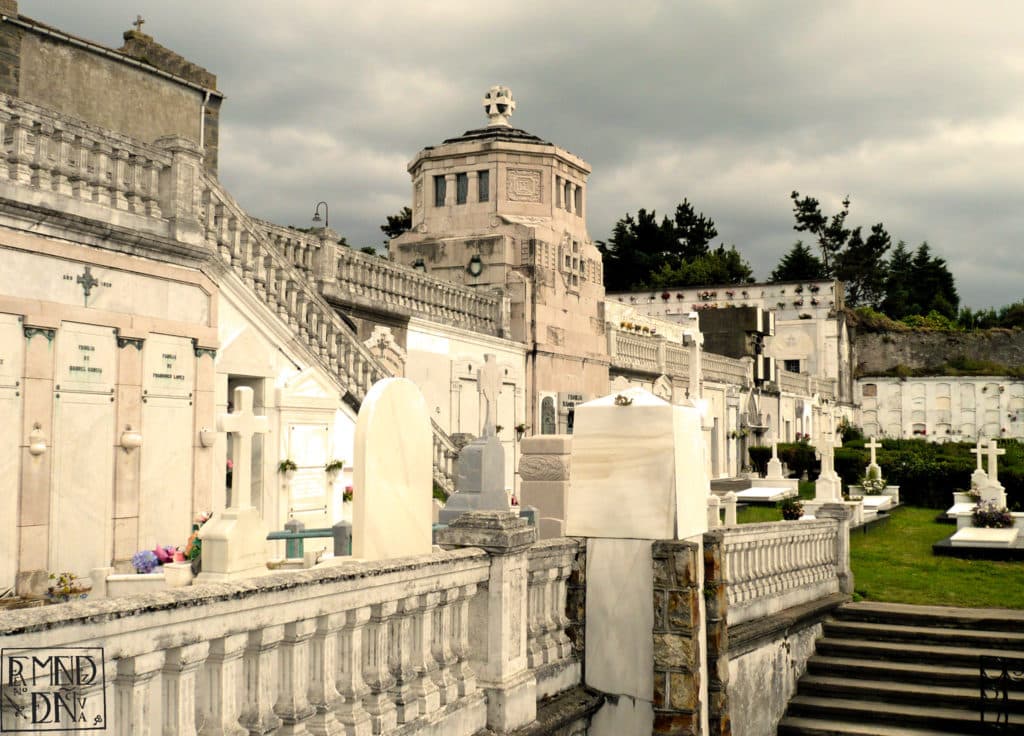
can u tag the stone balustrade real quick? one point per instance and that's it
(770, 567)
(825, 387)
(364, 279)
(793, 383)
(549, 651)
(677, 361)
(722, 369)
(329, 650)
(51, 154)
(637, 352)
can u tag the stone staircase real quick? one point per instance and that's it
(883, 668)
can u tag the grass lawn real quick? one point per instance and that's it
(895, 563)
(757, 514)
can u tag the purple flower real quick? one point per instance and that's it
(145, 561)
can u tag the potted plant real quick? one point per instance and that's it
(520, 430)
(991, 516)
(791, 508)
(873, 485)
(333, 468)
(287, 468)
(65, 586)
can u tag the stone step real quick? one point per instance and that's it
(867, 713)
(904, 693)
(901, 651)
(793, 726)
(955, 637)
(883, 670)
(947, 617)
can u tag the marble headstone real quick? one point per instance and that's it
(774, 470)
(637, 469)
(393, 479)
(829, 487)
(979, 478)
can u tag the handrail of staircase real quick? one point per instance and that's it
(997, 676)
(245, 247)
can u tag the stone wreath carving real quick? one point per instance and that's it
(543, 467)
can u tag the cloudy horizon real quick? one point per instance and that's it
(911, 109)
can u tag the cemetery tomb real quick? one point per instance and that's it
(984, 538)
(12, 358)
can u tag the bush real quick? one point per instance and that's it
(798, 456)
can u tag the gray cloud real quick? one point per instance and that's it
(911, 108)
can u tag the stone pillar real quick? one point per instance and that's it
(325, 259)
(842, 514)
(127, 464)
(714, 513)
(205, 472)
(34, 504)
(510, 687)
(729, 503)
(449, 190)
(544, 480)
(178, 192)
(716, 606)
(473, 195)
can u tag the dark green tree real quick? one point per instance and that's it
(830, 233)
(860, 266)
(898, 299)
(800, 264)
(933, 286)
(398, 223)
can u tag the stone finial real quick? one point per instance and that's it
(499, 105)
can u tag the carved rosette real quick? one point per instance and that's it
(544, 467)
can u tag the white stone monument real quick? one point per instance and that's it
(774, 470)
(637, 469)
(393, 480)
(828, 488)
(235, 540)
(873, 470)
(993, 490)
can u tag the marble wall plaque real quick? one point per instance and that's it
(638, 469)
(81, 531)
(523, 185)
(165, 487)
(393, 478)
(308, 499)
(12, 360)
(169, 366)
(86, 359)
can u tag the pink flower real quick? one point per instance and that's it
(231, 465)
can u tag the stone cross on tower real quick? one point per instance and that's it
(993, 452)
(243, 424)
(873, 445)
(978, 477)
(499, 105)
(139, 20)
(978, 452)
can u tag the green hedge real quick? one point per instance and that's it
(926, 472)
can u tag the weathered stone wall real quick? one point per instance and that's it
(880, 352)
(677, 631)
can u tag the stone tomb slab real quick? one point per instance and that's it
(637, 469)
(876, 503)
(986, 538)
(960, 508)
(764, 494)
(393, 479)
(12, 359)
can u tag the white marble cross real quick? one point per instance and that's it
(243, 424)
(827, 458)
(873, 445)
(775, 448)
(978, 451)
(993, 452)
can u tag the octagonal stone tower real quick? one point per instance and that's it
(499, 208)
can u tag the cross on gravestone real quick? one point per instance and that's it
(139, 20)
(775, 449)
(993, 452)
(489, 384)
(243, 424)
(978, 451)
(873, 445)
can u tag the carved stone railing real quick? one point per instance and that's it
(318, 651)
(677, 361)
(794, 383)
(634, 352)
(278, 271)
(825, 387)
(770, 567)
(722, 369)
(549, 651)
(57, 155)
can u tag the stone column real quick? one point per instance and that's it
(473, 195)
(178, 191)
(325, 260)
(449, 190)
(34, 505)
(206, 473)
(127, 464)
(842, 514)
(544, 480)
(501, 666)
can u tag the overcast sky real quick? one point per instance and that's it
(914, 109)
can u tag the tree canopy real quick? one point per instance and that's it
(800, 264)
(644, 253)
(398, 223)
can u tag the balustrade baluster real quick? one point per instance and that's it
(428, 697)
(40, 166)
(442, 648)
(376, 672)
(62, 170)
(118, 178)
(81, 151)
(218, 696)
(131, 693)
(293, 707)
(323, 695)
(151, 198)
(260, 664)
(100, 165)
(351, 686)
(401, 645)
(19, 158)
(134, 184)
(534, 622)
(179, 686)
(464, 675)
(562, 640)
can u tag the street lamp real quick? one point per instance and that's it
(316, 214)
